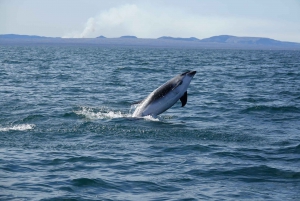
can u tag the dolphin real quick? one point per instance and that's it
(165, 96)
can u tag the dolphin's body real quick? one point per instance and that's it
(165, 96)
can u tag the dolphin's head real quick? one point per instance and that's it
(191, 73)
(183, 80)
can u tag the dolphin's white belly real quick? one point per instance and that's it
(157, 107)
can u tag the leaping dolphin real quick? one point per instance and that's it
(165, 96)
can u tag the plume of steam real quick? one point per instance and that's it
(89, 27)
(120, 17)
(143, 22)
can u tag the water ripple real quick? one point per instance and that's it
(66, 131)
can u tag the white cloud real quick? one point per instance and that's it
(153, 22)
(132, 20)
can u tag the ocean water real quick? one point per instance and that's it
(66, 131)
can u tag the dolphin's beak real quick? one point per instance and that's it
(192, 73)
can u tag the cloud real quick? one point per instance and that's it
(146, 23)
(152, 22)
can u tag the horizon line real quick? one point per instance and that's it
(135, 37)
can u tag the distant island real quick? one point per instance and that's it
(246, 40)
(101, 37)
(17, 36)
(221, 41)
(132, 37)
(183, 39)
(235, 40)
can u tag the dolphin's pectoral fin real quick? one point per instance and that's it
(183, 99)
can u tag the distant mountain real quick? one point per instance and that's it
(16, 36)
(184, 39)
(128, 37)
(217, 39)
(101, 37)
(247, 40)
(222, 41)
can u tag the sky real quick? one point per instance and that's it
(277, 19)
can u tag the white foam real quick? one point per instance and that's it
(105, 113)
(19, 127)
(151, 118)
(92, 113)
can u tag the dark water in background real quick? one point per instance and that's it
(66, 131)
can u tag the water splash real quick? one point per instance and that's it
(102, 113)
(106, 113)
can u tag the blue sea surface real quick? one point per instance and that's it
(66, 131)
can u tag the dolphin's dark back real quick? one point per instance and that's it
(164, 89)
(161, 91)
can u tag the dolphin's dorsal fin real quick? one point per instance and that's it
(183, 99)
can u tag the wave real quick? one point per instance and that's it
(263, 108)
(290, 150)
(6, 61)
(254, 173)
(19, 127)
(119, 186)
